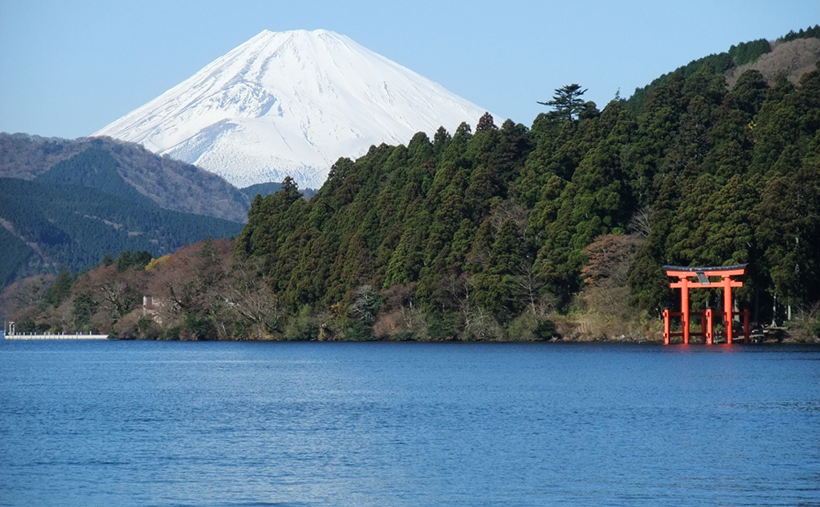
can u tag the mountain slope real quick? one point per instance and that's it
(171, 184)
(792, 56)
(94, 168)
(45, 225)
(290, 104)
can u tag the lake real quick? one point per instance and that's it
(107, 423)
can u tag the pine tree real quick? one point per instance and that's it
(567, 102)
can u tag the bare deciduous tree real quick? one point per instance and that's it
(247, 294)
(529, 285)
(639, 223)
(365, 304)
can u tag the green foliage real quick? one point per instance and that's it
(815, 328)
(61, 289)
(94, 168)
(76, 226)
(747, 52)
(172, 333)
(302, 327)
(358, 332)
(16, 254)
(148, 329)
(737, 55)
(198, 327)
(545, 330)
(265, 189)
(137, 260)
(85, 305)
(788, 234)
(530, 327)
(443, 326)
(749, 93)
(567, 102)
(810, 32)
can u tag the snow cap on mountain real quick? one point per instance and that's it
(290, 104)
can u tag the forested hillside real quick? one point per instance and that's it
(790, 56)
(481, 229)
(171, 184)
(516, 233)
(45, 226)
(98, 196)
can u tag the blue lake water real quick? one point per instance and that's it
(86, 423)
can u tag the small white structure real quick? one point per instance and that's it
(12, 334)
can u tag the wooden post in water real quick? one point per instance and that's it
(709, 332)
(727, 309)
(684, 308)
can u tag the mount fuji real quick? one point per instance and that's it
(290, 104)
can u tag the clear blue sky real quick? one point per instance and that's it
(69, 67)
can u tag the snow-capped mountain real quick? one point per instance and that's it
(290, 104)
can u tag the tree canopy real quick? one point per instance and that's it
(567, 102)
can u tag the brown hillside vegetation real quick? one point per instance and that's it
(24, 156)
(793, 59)
(172, 184)
(170, 297)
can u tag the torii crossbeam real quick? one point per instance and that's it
(703, 280)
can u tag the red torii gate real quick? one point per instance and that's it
(683, 274)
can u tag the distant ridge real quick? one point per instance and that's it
(171, 184)
(290, 104)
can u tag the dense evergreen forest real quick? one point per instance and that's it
(509, 232)
(479, 227)
(74, 226)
